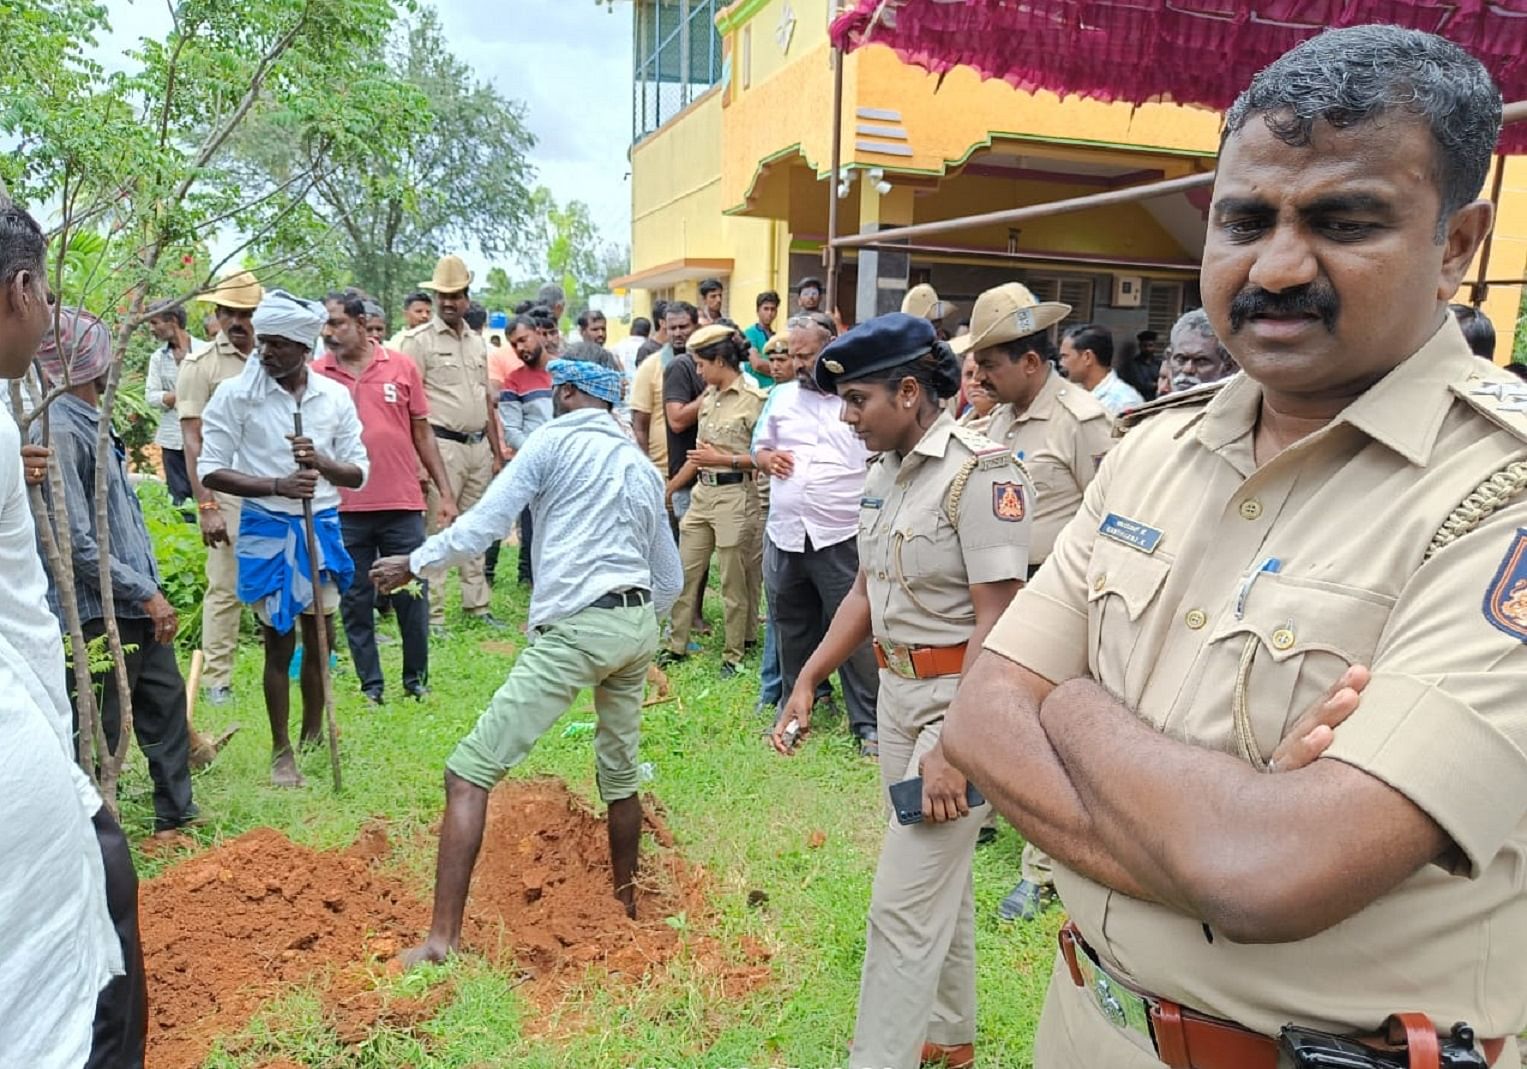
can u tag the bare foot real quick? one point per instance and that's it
(283, 771)
(426, 953)
(627, 899)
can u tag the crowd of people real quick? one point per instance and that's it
(1271, 765)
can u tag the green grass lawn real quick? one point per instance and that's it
(735, 808)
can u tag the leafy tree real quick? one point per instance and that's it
(462, 182)
(563, 243)
(140, 159)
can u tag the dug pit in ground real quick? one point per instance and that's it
(225, 932)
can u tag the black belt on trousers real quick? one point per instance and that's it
(622, 599)
(722, 478)
(458, 436)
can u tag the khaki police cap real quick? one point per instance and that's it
(779, 343)
(451, 276)
(922, 301)
(1005, 314)
(239, 290)
(709, 335)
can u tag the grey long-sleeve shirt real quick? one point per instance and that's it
(599, 518)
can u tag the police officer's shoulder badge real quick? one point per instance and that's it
(1506, 600)
(1197, 395)
(1498, 397)
(1007, 502)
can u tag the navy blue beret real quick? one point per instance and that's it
(875, 345)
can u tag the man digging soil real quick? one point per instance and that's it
(613, 570)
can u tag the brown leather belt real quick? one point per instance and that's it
(921, 662)
(1186, 1039)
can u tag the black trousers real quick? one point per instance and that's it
(121, 1009)
(159, 716)
(175, 474)
(369, 535)
(527, 536)
(805, 589)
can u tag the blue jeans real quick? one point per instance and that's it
(772, 689)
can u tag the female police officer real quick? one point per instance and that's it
(943, 547)
(724, 512)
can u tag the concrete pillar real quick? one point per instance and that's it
(883, 275)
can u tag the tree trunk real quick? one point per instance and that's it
(111, 763)
(57, 551)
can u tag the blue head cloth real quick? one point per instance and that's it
(593, 379)
(875, 345)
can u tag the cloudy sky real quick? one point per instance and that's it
(568, 60)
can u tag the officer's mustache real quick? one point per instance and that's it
(1314, 299)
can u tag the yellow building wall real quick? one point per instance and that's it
(781, 112)
(676, 212)
(1508, 256)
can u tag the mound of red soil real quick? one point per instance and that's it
(226, 931)
(542, 892)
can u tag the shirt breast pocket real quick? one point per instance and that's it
(446, 369)
(1122, 584)
(1293, 638)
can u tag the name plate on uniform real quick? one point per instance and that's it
(1131, 533)
(871, 502)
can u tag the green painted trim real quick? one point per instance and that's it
(943, 171)
(801, 245)
(739, 209)
(731, 18)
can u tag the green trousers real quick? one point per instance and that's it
(607, 650)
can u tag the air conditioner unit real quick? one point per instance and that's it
(1128, 291)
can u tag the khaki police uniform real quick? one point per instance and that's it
(1219, 599)
(201, 372)
(724, 515)
(455, 372)
(1061, 439)
(953, 512)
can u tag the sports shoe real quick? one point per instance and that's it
(1024, 902)
(219, 695)
(869, 744)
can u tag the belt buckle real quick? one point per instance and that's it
(899, 660)
(1120, 1006)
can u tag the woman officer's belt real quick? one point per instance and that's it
(1185, 1039)
(721, 478)
(921, 662)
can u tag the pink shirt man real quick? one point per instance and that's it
(389, 396)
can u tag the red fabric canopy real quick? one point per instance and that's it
(1190, 51)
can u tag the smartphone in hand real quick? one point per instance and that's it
(907, 799)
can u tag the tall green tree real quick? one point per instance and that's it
(563, 244)
(141, 158)
(461, 184)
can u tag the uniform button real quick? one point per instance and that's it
(1099, 583)
(1195, 619)
(1282, 639)
(880, 575)
(1251, 508)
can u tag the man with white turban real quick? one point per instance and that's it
(250, 449)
